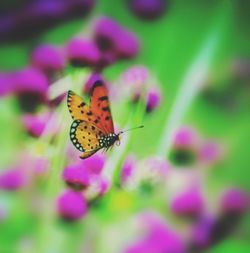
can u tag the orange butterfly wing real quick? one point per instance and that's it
(77, 108)
(99, 105)
(85, 137)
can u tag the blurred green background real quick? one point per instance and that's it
(169, 48)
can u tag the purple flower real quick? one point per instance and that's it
(148, 9)
(48, 58)
(185, 137)
(77, 176)
(235, 201)
(127, 45)
(201, 232)
(209, 152)
(153, 99)
(71, 205)
(112, 37)
(158, 239)
(188, 203)
(12, 179)
(81, 52)
(31, 86)
(136, 75)
(5, 84)
(35, 124)
(95, 163)
(127, 169)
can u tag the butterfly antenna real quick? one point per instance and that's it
(130, 129)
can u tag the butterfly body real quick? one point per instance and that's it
(92, 128)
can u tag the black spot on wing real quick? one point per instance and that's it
(103, 98)
(106, 109)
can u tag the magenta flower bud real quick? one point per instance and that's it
(209, 152)
(148, 9)
(77, 176)
(127, 45)
(136, 75)
(185, 137)
(48, 58)
(235, 201)
(35, 124)
(72, 205)
(153, 99)
(189, 203)
(106, 32)
(81, 52)
(95, 163)
(31, 87)
(201, 232)
(127, 169)
(5, 84)
(12, 179)
(110, 36)
(158, 238)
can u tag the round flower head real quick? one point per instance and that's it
(235, 201)
(201, 232)
(81, 52)
(112, 37)
(95, 163)
(48, 58)
(209, 152)
(148, 9)
(185, 137)
(35, 124)
(189, 203)
(158, 238)
(136, 75)
(77, 176)
(153, 99)
(184, 151)
(71, 205)
(12, 179)
(127, 45)
(31, 86)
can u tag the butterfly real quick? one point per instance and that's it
(92, 128)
